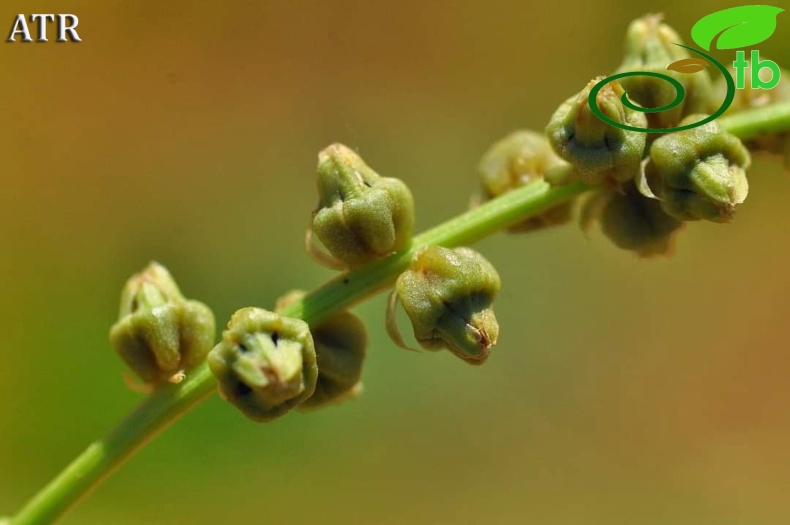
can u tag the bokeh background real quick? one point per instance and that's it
(622, 391)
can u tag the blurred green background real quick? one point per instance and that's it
(622, 391)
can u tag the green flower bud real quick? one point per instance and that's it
(447, 294)
(632, 221)
(361, 216)
(265, 363)
(519, 159)
(598, 152)
(340, 347)
(650, 46)
(159, 333)
(699, 173)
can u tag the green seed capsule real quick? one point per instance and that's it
(159, 333)
(519, 159)
(447, 294)
(650, 46)
(632, 221)
(598, 152)
(265, 363)
(699, 173)
(340, 346)
(361, 216)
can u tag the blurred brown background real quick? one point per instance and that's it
(621, 392)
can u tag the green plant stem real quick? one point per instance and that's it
(160, 409)
(493, 216)
(753, 123)
(167, 404)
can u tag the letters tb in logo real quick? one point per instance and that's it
(756, 65)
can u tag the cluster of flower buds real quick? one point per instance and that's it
(447, 294)
(268, 363)
(160, 334)
(648, 186)
(650, 182)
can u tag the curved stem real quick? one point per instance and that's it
(160, 409)
(169, 402)
(166, 404)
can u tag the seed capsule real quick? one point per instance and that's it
(650, 46)
(340, 347)
(598, 152)
(447, 294)
(699, 173)
(265, 363)
(632, 221)
(361, 216)
(521, 158)
(159, 333)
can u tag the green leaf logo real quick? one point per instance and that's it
(742, 26)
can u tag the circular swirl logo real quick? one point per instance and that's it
(680, 95)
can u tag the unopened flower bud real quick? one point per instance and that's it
(361, 216)
(650, 46)
(521, 158)
(159, 333)
(598, 151)
(447, 295)
(699, 173)
(340, 347)
(634, 222)
(265, 363)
